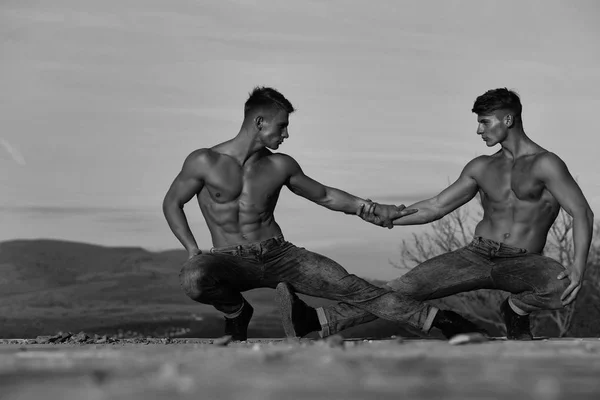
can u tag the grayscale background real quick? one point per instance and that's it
(102, 101)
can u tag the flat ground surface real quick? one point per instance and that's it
(273, 369)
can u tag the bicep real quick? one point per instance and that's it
(183, 189)
(457, 194)
(305, 186)
(187, 184)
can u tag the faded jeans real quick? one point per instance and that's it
(483, 264)
(218, 278)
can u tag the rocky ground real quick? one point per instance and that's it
(69, 366)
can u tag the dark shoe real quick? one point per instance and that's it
(452, 324)
(298, 318)
(517, 326)
(237, 327)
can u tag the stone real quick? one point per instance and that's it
(468, 338)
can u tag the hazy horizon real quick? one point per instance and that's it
(114, 227)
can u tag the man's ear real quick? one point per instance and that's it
(509, 120)
(258, 122)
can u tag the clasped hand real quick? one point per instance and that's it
(383, 214)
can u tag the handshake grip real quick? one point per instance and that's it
(382, 214)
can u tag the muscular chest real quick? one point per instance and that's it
(505, 180)
(254, 183)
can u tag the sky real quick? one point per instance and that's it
(102, 101)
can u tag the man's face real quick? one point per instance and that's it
(492, 128)
(274, 129)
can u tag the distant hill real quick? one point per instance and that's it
(48, 286)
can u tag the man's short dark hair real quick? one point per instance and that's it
(266, 97)
(498, 99)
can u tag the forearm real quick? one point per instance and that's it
(338, 200)
(582, 238)
(427, 213)
(179, 226)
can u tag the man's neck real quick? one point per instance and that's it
(518, 144)
(244, 146)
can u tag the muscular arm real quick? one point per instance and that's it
(454, 196)
(558, 180)
(186, 185)
(331, 198)
(338, 200)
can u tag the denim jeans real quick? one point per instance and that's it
(218, 278)
(483, 264)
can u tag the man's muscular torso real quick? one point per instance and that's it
(518, 208)
(238, 201)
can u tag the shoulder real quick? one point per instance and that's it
(202, 156)
(548, 158)
(200, 159)
(283, 161)
(549, 164)
(478, 164)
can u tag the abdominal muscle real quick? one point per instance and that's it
(524, 224)
(234, 223)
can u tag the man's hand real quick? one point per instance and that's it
(193, 253)
(576, 278)
(383, 214)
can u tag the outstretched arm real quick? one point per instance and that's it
(558, 180)
(188, 183)
(454, 196)
(335, 199)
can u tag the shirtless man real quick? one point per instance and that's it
(237, 184)
(522, 188)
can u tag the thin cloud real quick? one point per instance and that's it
(13, 152)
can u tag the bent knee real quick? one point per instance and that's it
(552, 290)
(555, 287)
(552, 271)
(191, 283)
(194, 277)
